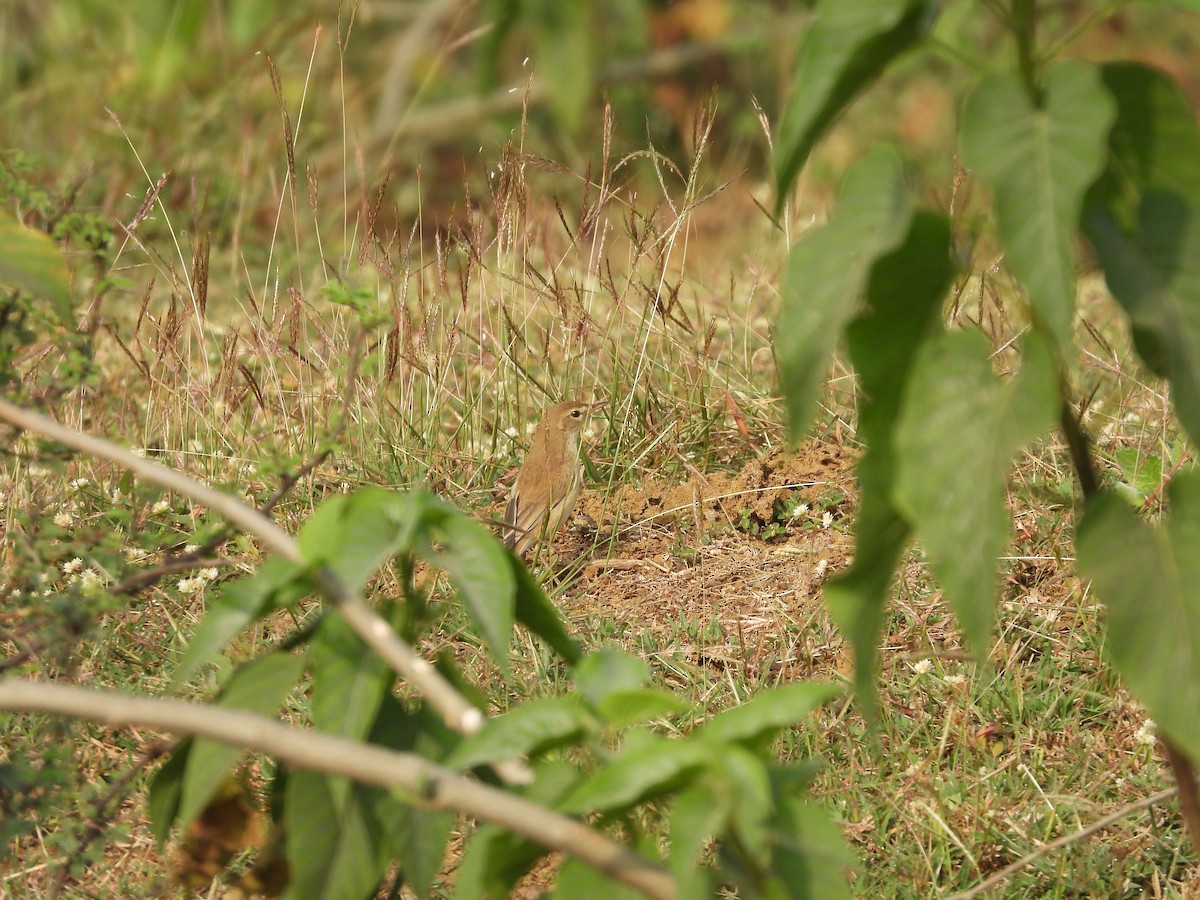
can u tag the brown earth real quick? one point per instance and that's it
(687, 553)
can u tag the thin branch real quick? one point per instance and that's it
(1046, 849)
(435, 786)
(458, 714)
(1077, 446)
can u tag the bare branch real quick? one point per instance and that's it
(428, 783)
(458, 714)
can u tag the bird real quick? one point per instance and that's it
(548, 482)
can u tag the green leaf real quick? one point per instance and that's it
(826, 272)
(699, 814)
(848, 47)
(956, 439)
(904, 301)
(811, 859)
(634, 776)
(259, 687)
(349, 680)
(333, 839)
(531, 728)
(620, 709)
(1149, 579)
(493, 862)
(162, 802)
(536, 612)
(761, 718)
(606, 670)
(417, 838)
(577, 879)
(482, 574)
(352, 535)
(753, 805)
(1144, 222)
(277, 584)
(1039, 161)
(30, 262)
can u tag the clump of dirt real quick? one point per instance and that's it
(667, 555)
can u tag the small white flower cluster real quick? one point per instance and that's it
(1145, 734)
(79, 484)
(923, 666)
(196, 584)
(90, 579)
(160, 507)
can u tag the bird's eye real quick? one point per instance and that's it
(575, 414)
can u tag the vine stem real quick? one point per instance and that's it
(430, 785)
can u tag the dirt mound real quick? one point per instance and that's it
(724, 566)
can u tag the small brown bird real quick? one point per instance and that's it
(547, 485)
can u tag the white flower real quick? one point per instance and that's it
(116, 495)
(71, 566)
(207, 574)
(1145, 734)
(798, 509)
(190, 585)
(91, 580)
(826, 519)
(511, 431)
(135, 554)
(160, 506)
(923, 666)
(954, 680)
(63, 519)
(191, 548)
(79, 484)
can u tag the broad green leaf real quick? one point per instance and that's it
(620, 709)
(960, 429)
(606, 670)
(848, 47)
(826, 272)
(414, 836)
(493, 862)
(531, 728)
(333, 839)
(634, 776)
(482, 575)
(904, 301)
(1039, 161)
(753, 805)
(811, 859)
(764, 716)
(1149, 579)
(417, 838)
(577, 879)
(166, 787)
(277, 584)
(536, 612)
(699, 814)
(259, 687)
(1144, 221)
(30, 262)
(353, 534)
(349, 680)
